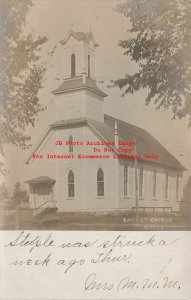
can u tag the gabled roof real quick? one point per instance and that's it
(86, 37)
(146, 143)
(76, 83)
(41, 179)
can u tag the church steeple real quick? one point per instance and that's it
(79, 54)
(79, 96)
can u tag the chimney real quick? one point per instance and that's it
(116, 137)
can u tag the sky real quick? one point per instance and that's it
(54, 18)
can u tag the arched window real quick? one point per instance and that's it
(73, 65)
(126, 180)
(177, 186)
(70, 143)
(100, 182)
(154, 184)
(166, 186)
(88, 65)
(71, 184)
(141, 182)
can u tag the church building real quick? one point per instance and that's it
(129, 168)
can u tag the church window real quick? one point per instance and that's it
(70, 143)
(73, 65)
(126, 180)
(154, 184)
(88, 65)
(177, 186)
(100, 182)
(141, 182)
(166, 186)
(70, 184)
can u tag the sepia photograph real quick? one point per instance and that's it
(95, 149)
(95, 115)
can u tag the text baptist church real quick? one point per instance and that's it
(100, 185)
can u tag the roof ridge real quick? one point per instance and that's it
(125, 122)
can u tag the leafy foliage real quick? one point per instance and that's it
(21, 74)
(159, 40)
(20, 195)
(4, 192)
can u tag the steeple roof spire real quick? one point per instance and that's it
(86, 37)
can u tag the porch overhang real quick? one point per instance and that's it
(41, 180)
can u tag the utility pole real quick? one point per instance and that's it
(136, 184)
(17, 216)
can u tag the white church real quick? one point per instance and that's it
(101, 184)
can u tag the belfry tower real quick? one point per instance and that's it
(79, 96)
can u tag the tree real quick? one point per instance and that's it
(159, 41)
(20, 195)
(4, 192)
(21, 74)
